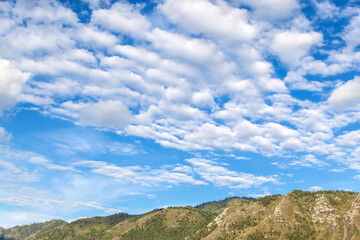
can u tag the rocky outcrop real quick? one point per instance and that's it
(352, 221)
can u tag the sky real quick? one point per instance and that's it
(126, 106)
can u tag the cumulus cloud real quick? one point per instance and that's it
(326, 9)
(204, 80)
(346, 95)
(214, 20)
(110, 113)
(291, 46)
(199, 76)
(352, 32)
(12, 81)
(121, 18)
(45, 11)
(97, 38)
(177, 45)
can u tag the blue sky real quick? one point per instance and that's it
(110, 106)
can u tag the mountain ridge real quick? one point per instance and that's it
(296, 215)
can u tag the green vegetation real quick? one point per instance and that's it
(298, 215)
(22, 232)
(256, 236)
(218, 205)
(266, 200)
(85, 229)
(244, 223)
(190, 222)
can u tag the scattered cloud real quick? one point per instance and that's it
(111, 114)
(45, 162)
(122, 18)
(346, 95)
(221, 176)
(326, 10)
(315, 188)
(291, 46)
(12, 82)
(309, 161)
(259, 78)
(217, 20)
(4, 135)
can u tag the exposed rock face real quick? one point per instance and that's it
(321, 215)
(219, 220)
(281, 208)
(325, 212)
(322, 210)
(352, 221)
(298, 215)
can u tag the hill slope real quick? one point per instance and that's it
(297, 215)
(29, 231)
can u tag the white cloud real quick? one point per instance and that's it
(326, 10)
(291, 46)
(12, 82)
(140, 55)
(351, 138)
(203, 99)
(272, 9)
(109, 113)
(11, 173)
(4, 135)
(121, 18)
(97, 38)
(352, 32)
(357, 177)
(45, 162)
(280, 132)
(315, 188)
(190, 49)
(309, 161)
(196, 84)
(266, 192)
(223, 177)
(346, 95)
(45, 11)
(143, 175)
(208, 170)
(35, 39)
(219, 20)
(42, 204)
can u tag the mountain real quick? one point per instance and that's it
(29, 231)
(297, 215)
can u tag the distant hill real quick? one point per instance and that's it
(297, 215)
(29, 231)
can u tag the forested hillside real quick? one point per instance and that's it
(297, 215)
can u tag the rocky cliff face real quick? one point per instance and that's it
(352, 221)
(297, 215)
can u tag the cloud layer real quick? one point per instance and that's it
(203, 77)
